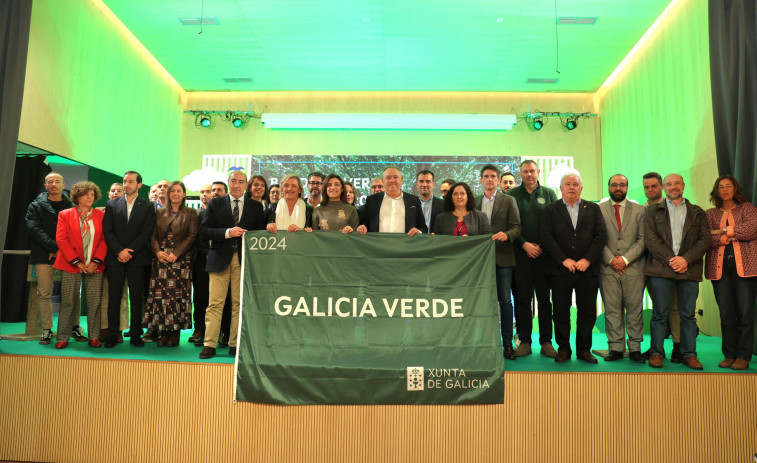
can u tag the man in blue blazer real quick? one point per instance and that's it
(128, 226)
(224, 222)
(430, 205)
(392, 211)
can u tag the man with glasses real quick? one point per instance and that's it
(315, 180)
(621, 271)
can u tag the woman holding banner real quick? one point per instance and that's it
(333, 213)
(460, 217)
(291, 213)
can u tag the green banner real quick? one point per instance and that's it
(332, 318)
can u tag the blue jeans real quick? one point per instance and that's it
(504, 284)
(661, 290)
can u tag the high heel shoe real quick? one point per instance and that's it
(94, 343)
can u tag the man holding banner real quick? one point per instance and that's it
(225, 221)
(392, 211)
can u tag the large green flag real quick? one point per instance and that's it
(332, 318)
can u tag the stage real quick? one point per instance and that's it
(165, 404)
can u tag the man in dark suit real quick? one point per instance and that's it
(223, 223)
(573, 234)
(431, 206)
(504, 217)
(127, 226)
(392, 211)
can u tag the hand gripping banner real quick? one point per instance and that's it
(332, 318)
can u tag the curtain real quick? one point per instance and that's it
(733, 70)
(15, 18)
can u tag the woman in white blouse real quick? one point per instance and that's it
(291, 213)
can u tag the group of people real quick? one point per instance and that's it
(156, 251)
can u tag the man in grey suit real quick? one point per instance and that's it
(621, 271)
(504, 217)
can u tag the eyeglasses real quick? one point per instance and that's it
(315, 183)
(616, 185)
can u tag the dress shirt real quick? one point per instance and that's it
(392, 215)
(573, 212)
(488, 204)
(677, 218)
(241, 206)
(129, 206)
(426, 208)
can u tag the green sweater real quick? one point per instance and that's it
(531, 207)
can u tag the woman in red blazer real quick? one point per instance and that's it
(81, 253)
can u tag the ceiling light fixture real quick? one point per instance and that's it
(537, 120)
(204, 119)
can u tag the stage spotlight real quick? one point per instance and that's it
(202, 120)
(537, 123)
(237, 121)
(571, 123)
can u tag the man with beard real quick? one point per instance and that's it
(677, 235)
(653, 192)
(506, 182)
(446, 185)
(424, 183)
(621, 272)
(315, 181)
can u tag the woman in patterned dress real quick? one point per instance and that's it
(169, 300)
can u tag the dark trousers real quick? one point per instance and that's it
(735, 296)
(530, 278)
(226, 316)
(200, 284)
(586, 287)
(135, 275)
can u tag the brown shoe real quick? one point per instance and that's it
(509, 353)
(163, 339)
(655, 361)
(207, 352)
(740, 364)
(587, 357)
(173, 338)
(523, 349)
(726, 363)
(548, 351)
(562, 356)
(693, 363)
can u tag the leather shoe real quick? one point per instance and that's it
(740, 364)
(655, 361)
(523, 349)
(726, 363)
(548, 351)
(163, 339)
(233, 351)
(110, 343)
(613, 356)
(197, 335)
(509, 353)
(136, 341)
(636, 356)
(675, 356)
(588, 358)
(173, 338)
(94, 343)
(562, 356)
(693, 363)
(207, 352)
(61, 344)
(645, 355)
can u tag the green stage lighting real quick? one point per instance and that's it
(571, 123)
(237, 121)
(205, 121)
(537, 123)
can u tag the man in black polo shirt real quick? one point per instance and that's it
(532, 198)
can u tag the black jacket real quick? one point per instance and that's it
(133, 233)
(42, 223)
(561, 241)
(413, 212)
(218, 218)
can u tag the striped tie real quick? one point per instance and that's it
(235, 212)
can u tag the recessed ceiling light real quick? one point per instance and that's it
(238, 80)
(534, 80)
(499, 20)
(576, 20)
(199, 21)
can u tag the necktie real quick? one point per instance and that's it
(235, 212)
(617, 216)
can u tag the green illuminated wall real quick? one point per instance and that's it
(92, 95)
(657, 116)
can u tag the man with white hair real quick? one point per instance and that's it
(573, 234)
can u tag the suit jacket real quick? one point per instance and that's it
(133, 233)
(70, 246)
(476, 222)
(560, 241)
(202, 245)
(413, 212)
(217, 219)
(658, 239)
(629, 243)
(505, 218)
(184, 229)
